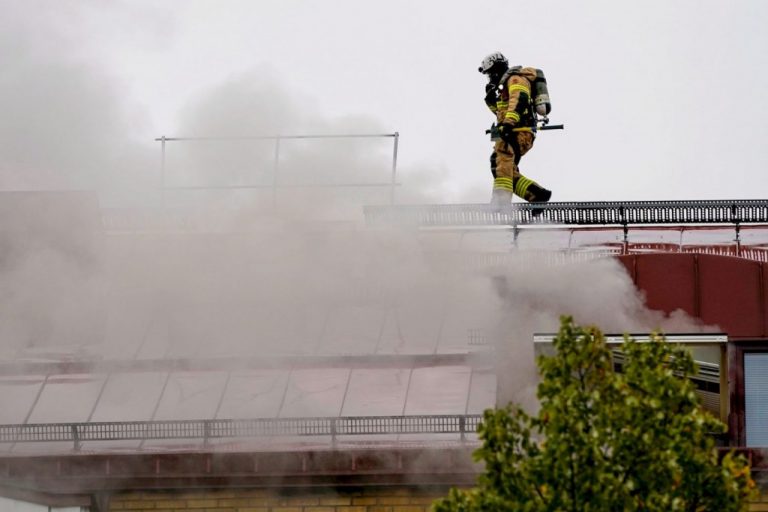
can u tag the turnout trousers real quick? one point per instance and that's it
(507, 172)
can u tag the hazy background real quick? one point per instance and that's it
(661, 100)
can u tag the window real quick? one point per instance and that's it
(9, 505)
(708, 351)
(756, 398)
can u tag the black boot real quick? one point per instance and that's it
(540, 195)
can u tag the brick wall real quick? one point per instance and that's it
(760, 503)
(384, 499)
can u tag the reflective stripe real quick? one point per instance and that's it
(512, 115)
(523, 129)
(502, 104)
(519, 87)
(522, 186)
(504, 184)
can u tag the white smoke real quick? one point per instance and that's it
(300, 278)
(66, 124)
(599, 292)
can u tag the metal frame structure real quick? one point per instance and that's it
(229, 364)
(617, 213)
(218, 428)
(275, 186)
(208, 430)
(606, 213)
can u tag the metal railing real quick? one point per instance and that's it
(584, 214)
(275, 186)
(207, 430)
(25, 367)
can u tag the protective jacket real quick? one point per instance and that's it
(513, 105)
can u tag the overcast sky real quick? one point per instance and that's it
(661, 99)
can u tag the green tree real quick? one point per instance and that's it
(635, 440)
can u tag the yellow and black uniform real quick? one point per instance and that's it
(514, 116)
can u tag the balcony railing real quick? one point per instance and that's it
(208, 430)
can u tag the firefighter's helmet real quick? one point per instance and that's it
(493, 63)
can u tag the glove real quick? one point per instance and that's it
(506, 134)
(490, 94)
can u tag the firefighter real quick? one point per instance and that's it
(508, 96)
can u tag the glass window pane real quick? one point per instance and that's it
(376, 392)
(315, 392)
(129, 397)
(17, 394)
(756, 399)
(482, 392)
(254, 394)
(439, 390)
(67, 398)
(191, 396)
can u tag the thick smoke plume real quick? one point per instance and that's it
(280, 266)
(597, 292)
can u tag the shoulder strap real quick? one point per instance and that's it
(514, 70)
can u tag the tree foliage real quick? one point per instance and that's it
(604, 440)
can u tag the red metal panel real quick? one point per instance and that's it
(668, 280)
(730, 295)
(629, 262)
(764, 297)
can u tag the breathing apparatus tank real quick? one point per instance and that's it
(541, 94)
